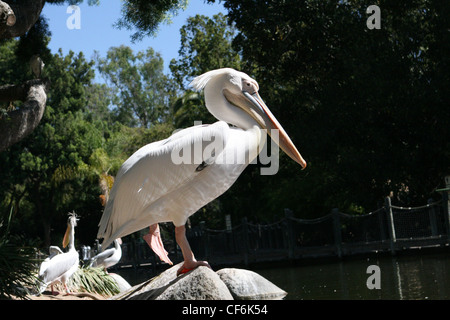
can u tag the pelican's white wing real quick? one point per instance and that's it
(99, 259)
(54, 268)
(53, 250)
(107, 258)
(151, 187)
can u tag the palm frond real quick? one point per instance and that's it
(17, 264)
(94, 280)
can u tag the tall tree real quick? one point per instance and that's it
(142, 91)
(45, 174)
(23, 103)
(18, 19)
(368, 107)
(205, 45)
(146, 16)
(22, 18)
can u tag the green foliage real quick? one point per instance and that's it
(64, 164)
(35, 41)
(365, 107)
(146, 16)
(16, 263)
(8, 65)
(99, 99)
(94, 280)
(205, 45)
(46, 173)
(141, 90)
(189, 109)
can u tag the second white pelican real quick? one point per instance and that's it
(60, 266)
(154, 186)
(109, 257)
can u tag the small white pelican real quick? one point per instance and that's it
(109, 257)
(151, 187)
(60, 266)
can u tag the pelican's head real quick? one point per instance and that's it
(71, 224)
(72, 220)
(232, 96)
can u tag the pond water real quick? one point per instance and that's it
(421, 276)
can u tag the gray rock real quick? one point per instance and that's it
(121, 282)
(199, 284)
(203, 283)
(248, 285)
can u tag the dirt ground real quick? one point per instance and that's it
(47, 295)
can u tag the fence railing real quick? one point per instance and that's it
(390, 228)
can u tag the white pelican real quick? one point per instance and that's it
(60, 266)
(53, 250)
(151, 187)
(109, 257)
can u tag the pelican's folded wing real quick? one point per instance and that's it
(151, 184)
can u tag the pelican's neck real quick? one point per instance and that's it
(72, 238)
(261, 136)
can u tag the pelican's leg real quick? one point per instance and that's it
(53, 291)
(189, 260)
(68, 292)
(153, 239)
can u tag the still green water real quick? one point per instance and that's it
(418, 277)
(422, 276)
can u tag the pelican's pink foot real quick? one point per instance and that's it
(189, 266)
(153, 239)
(190, 262)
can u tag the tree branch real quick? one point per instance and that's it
(7, 17)
(17, 18)
(18, 124)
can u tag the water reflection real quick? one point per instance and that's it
(402, 277)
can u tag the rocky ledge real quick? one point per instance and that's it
(204, 284)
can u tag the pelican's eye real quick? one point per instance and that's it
(249, 86)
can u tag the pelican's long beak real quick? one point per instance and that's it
(257, 109)
(66, 237)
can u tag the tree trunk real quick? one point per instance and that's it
(17, 18)
(17, 124)
(7, 16)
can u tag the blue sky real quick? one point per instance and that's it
(97, 31)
